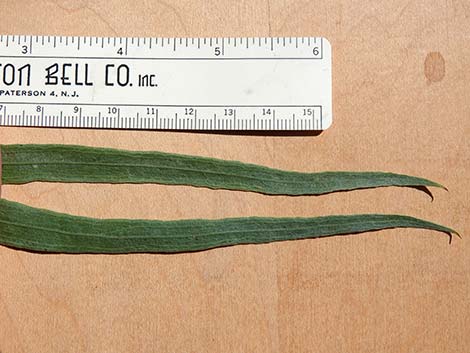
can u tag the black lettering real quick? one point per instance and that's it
(51, 76)
(87, 82)
(147, 81)
(77, 70)
(123, 78)
(26, 68)
(106, 73)
(8, 74)
(65, 78)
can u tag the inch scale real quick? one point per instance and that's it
(166, 83)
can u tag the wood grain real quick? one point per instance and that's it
(390, 291)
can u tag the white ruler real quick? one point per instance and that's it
(166, 83)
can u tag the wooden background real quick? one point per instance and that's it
(401, 103)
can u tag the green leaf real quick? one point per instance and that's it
(36, 229)
(68, 163)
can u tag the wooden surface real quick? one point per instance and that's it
(401, 103)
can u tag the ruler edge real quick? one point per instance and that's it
(2, 35)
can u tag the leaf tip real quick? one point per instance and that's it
(437, 185)
(451, 233)
(426, 190)
(442, 187)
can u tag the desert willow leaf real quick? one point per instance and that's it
(68, 163)
(36, 229)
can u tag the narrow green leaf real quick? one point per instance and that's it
(69, 163)
(36, 229)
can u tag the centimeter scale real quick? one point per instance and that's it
(166, 83)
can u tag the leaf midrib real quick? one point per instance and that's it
(379, 223)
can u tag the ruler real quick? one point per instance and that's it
(281, 83)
